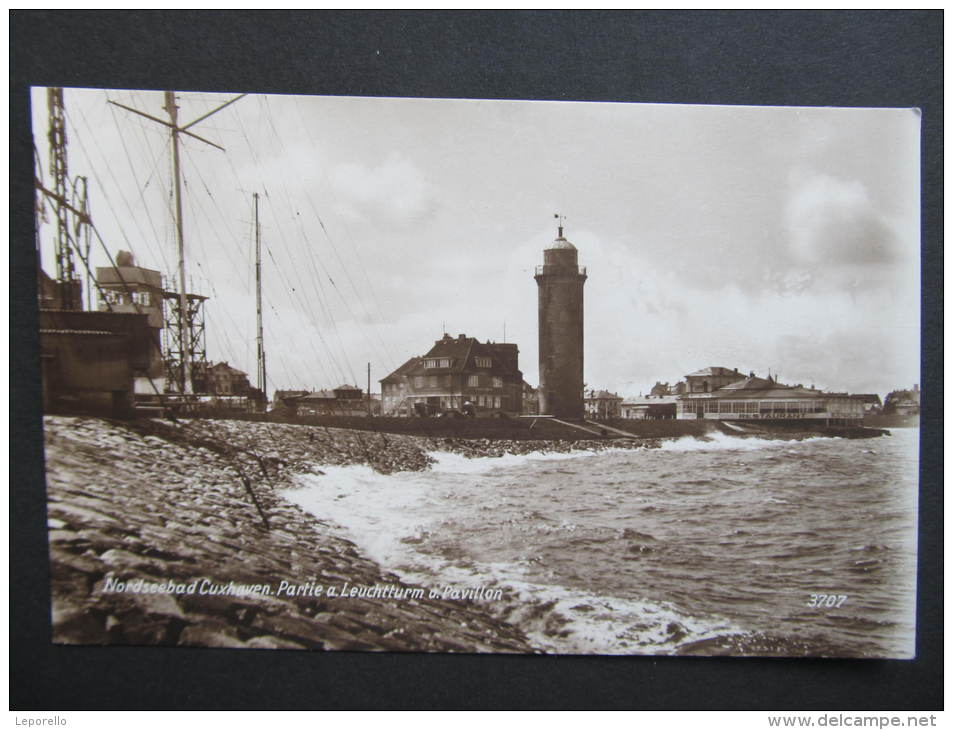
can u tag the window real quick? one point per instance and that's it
(484, 362)
(496, 401)
(419, 381)
(473, 381)
(437, 362)
(497, 381)
(432, 381)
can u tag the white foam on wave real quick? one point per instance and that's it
(449, 462)
(386, 516)
(377, 511)
(718, 441)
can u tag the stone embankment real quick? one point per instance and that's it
(173, 504)
(287, 449)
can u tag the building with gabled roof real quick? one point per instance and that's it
(457, 373)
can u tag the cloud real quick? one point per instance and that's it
(833, 222)
(392, 193)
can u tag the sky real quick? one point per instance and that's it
(776, 240)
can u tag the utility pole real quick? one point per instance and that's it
(368, 389)
(262, 385)
(185, 334)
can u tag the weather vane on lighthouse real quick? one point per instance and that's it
(561, 219)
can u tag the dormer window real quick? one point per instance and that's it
(484, 362)
(437, 362)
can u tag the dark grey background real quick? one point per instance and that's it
(890, 58)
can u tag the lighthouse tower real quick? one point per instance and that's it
(560, 280)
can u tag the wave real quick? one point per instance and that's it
(452, 463)
(718, 441)
(391, 518)
(585, 567)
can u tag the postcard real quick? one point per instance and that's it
(454, 375)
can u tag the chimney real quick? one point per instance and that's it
(461, 337)
(916, 387)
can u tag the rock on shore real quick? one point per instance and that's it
(159, 501)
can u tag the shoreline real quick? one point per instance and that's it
(130, 507)
(176, 503)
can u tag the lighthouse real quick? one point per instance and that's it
(560, 280)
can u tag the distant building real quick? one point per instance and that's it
(651, 407)
(53, 294)
(345, 400)
(713, 378)
(89, 359)
(132, 289)
(903, 402)
(456, 373)
(221, 379)
(283, 396)
(223, 386)
(871, 402)
(754, 398)
(530, 399)
(660, 389)
(126, 287)
(602, 405)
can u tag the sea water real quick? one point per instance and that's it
(794, 547)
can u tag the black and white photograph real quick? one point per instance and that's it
(479, 376)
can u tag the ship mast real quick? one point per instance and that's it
(185, 336)
(261, 332)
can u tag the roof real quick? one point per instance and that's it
(289, 393)
(714, 371)
(659, 400)
(771, 391)
(77, 332)
(603, 395)
(561, 243)
(460, 351)
(751, 383)
(228, 368)
(457, 349)
(347, 387)
(123, 275)
(403, 370)
(318, 395)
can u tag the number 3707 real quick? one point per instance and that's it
(827, 600)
